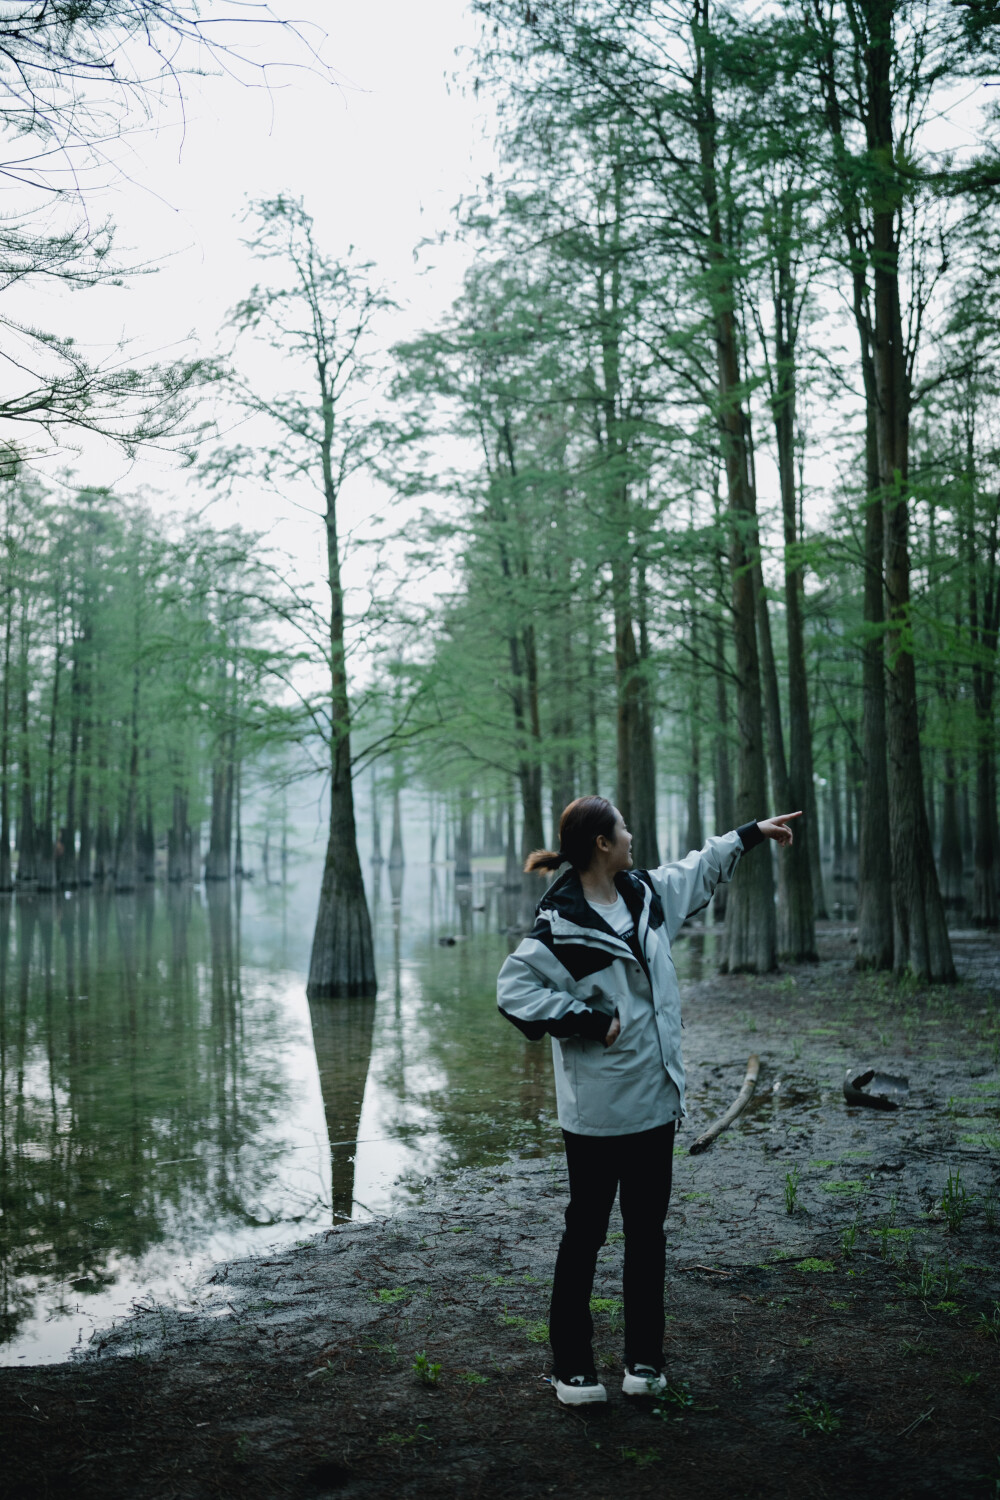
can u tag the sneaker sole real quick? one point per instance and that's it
(635, 1385)
(575, 1397)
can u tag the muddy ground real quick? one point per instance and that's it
(834, 1304)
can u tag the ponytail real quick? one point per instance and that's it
(542, 860)
(581, 825)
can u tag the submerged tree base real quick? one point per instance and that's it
(342, 965)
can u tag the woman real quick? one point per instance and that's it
(595, 973)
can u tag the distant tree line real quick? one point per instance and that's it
(138, 683)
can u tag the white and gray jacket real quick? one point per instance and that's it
(572, 972)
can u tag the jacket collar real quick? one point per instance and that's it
(566, 899)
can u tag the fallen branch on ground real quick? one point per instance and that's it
(738, 1105)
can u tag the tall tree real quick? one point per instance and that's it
(318, 321)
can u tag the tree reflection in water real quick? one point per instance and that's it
(342, 1036)
(169, 1097)
(145, 1100)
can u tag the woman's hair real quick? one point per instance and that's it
(579, 829)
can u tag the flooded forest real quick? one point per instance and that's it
(687, 494)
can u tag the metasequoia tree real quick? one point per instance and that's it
(317, 320)
(876, 65)
(653, 73)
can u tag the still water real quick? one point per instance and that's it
(169, 1098)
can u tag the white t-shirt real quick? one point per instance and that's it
(618, 916)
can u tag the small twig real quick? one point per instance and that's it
(907, 1430)
(715, 1270)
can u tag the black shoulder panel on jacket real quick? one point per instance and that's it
(656, 917)
(581, 960)
(578, 959)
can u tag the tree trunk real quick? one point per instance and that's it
(126, 849)
(985, 897)
(724, 800)
(593, 745)
(796, 933)
(179, 838)
(522, 653)
(796, 906)
(643, 751)
(836, 818)
(694, 833)
(950, 858)
(463, 837)
(636, 779)
(396, 856)
(45, 841)
(875, 921)
(6, 874)
(984, 629)
(342, 963)
(218, 859)
(922, 945)
(103, 859)
(67, 874)
(238, 817)
(377, 822)
(751, 934)
(512, 864)
(146, 841)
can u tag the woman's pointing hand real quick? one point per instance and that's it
(777, 827)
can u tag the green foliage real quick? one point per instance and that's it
(988, 1323)
(954, 1200)
(849, 1239)
(427, 1373)
(642, 1458)
(676, 1397)
(934, 1279)
(813, 1415)
(791, 1189)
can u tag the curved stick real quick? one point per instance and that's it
(738, 1105)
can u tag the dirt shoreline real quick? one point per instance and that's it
(806, 1357)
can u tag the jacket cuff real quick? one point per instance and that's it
(750, 836)
(592, 1025)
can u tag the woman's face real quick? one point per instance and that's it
(618, 847)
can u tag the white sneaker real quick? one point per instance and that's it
(643, 1380)
(579, 1390)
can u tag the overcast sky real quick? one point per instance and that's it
(380, 157)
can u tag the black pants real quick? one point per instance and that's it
(640, 1167)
